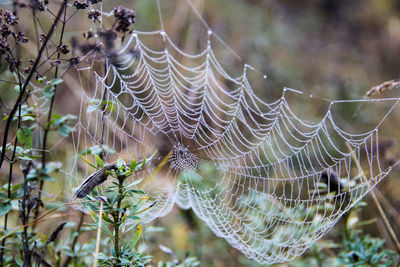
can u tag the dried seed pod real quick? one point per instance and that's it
(93, 180)
(54, 235)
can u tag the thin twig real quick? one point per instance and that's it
(26, 83)
(96, 252)
(388, 206)
(9, 187)
(376, 202)
(47, 126)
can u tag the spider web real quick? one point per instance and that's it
(258, 174)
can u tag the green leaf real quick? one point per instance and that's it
(17, 88)
(136, 182)
(120, 163)
(47, 178)
(88, 162)
(5, 207)
(56, 81)
(102, 105)
(48, 91)
(65, 130)
(133, 217)
(140, 192)
(133, 165)
(99, 161)
(24, 136)
(151, 157)
(136, 235)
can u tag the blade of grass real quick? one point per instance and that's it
(96, 252)
(376, 201)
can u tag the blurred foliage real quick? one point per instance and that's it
(365, 251)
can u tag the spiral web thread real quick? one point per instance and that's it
(266, 180)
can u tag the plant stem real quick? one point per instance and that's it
(47, 126)
(385, 220)
(24, 214)
(117, 217)
(116, 240)
(26, 83)
(10, 174)
(3, 242)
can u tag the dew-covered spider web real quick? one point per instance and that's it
(264, 176)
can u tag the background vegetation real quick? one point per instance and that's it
(335, 49)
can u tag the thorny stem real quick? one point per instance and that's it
(26, 83)
(47, 126)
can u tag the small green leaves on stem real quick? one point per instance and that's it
(24, 136)
(101, 105)
(50, 88)
(62, 124)
(99, 161)
(121, 205)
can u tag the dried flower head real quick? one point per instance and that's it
(124, 17)
(388, 85)
(80, 4)
(13, 63)
(74, 60)
(40, 5)
(108, 37)
(10, 18)
(88, 34)
(63, 48)
(94, 15)
(20, 37)
(5, 31)
(27, 70)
